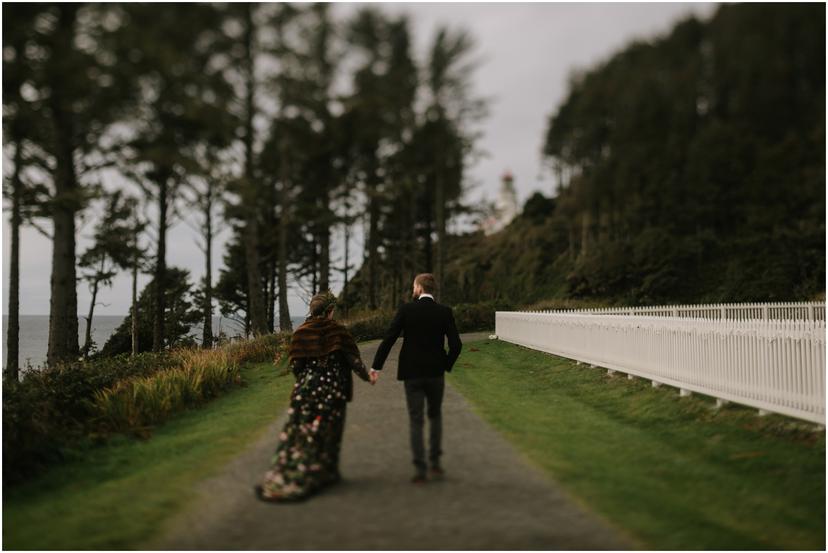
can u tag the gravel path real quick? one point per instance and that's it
(492, 498)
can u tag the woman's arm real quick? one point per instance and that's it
(297, 366)
(355, 363)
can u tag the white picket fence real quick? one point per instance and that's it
(802, 311)
(772, 365)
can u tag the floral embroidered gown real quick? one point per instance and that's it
(307, 457)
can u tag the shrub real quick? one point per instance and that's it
(370, 326)
(471, 317)
(46, 414)
(53, 411)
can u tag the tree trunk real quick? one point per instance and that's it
(272, 264)
(571, 233)
(87, 343)
(347, 234)
(269, 294)
(314, 265)
(134, 328)
(325, 258)
(400, 248)
(285, 324)
(603, 225)
(325, 243)
(413, 260)
(207, 331)
(258, 317)
(160, 267)
(440, 219)
(13, 331)
(272, 299)
(247, 317)
(429, 257)
(250, 197)
(63, 311)
(585, 230)
(63, 304)
(373, 239)
(396, 284)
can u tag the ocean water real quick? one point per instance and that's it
(34, 334)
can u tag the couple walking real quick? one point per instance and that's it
(323, 356)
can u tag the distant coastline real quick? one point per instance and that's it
(34, 334)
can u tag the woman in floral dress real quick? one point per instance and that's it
(322, 356)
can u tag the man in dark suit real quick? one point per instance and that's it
(425, 324)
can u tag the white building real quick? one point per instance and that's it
(505, 208)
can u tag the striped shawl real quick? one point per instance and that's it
(319, 337)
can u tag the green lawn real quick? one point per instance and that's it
(674, 473)
(119, 495)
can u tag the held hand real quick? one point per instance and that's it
(374, 375)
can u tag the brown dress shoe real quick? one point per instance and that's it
(418, 479)
(436, 473)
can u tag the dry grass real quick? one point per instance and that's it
(137, 403)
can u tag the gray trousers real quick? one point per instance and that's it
(418, 393)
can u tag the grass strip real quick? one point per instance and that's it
(117, 496)
(676, 473)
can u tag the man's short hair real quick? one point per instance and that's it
(427, 281)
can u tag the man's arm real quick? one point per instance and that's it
(391, 336)
(455, 345)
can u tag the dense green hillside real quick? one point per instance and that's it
(691, 169)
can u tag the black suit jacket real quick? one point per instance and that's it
(425, 324)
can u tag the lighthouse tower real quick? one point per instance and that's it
(505, 207)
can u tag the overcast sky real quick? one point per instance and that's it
(527, 53)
